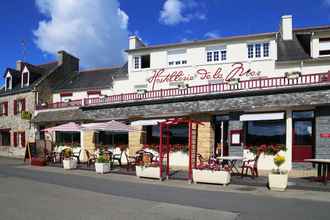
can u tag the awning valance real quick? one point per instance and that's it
(146, 122)
(262, 116)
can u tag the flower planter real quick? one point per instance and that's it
(69, 164)
(211, 176)
(102, 167)
(278, 182)
(148, 172)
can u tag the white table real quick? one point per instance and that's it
(323, 168)
(231, 162)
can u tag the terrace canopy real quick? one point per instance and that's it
(71, 126)
(112, 126)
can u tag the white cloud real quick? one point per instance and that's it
(212, 34)
(95, 31)
(179, 11)
(326, 2)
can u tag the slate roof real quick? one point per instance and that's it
(36, 74)
(296, 49)
(60, 116)
(94, 79)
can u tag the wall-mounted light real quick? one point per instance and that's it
(233, 81)
(293, 75)
(141, 91)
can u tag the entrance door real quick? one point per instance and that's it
(303, 136)
(221, 138)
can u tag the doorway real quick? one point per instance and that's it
(303, 137)
(221, 136)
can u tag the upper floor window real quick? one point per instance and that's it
(19, 106)
(141, 62)
(25, 79)
(3, 108)
(324, 46)
(66, 96)
(8, 82)
(216, 54)
(258, 50)
(177, 57)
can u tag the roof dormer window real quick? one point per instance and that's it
(25, 78)
(9, 81)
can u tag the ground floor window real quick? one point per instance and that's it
(265, 132)
(111, 139)
(5, 138)
(178, 134)
(67, 138)
(19, 139)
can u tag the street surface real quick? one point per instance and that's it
(52, 193)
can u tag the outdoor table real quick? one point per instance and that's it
(231, 162)
(323, 168)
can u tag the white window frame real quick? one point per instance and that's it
(177, 57)
(216, 54)
(25, 71)
(256, 52)
(138, 58)
(8, 76)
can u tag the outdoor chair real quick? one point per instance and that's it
(252, 166)
(91, 158)
(202, 160)
(77, 155)
(117, 155)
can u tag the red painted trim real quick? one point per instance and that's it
(325, 135)
(161, 150)
(65, 94)
(95, 92)
(190, 150)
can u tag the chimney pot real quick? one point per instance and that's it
(286, 27)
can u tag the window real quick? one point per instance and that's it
(216, 53)
(250, 51)
(136, 62)
(66, 96)
(178, 134)
(19, 139)
(266, 49)
(258, 50)
(4, 108)
(19, 106)
(177, 57)
(25, 79)
(109, 138)
(142, 62)
(324, 46)
(8, 82)
(303, 127)
(5, 137)
(67, 138)
(265, 132)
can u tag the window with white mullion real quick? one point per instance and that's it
(266, 49)
(216, 56)
(177, 57)
(258, 50)
(137, 62)
(250, 51)
(209, 56)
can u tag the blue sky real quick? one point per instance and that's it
(97, 30)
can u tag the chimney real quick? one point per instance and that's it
(19, 65)
(135, 42)
(286, 27)
(68, 60)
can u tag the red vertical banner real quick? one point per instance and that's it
(168, 151)
(161, 150)
(190, 151)
(5, 105)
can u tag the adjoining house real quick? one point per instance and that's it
(82, 88)
(25, 87)
(267, 88)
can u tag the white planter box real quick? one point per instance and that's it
(210, 176)
(277, 182)
(69, 164)
(148, 172)
(102, 167)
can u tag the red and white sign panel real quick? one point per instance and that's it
(325, 135)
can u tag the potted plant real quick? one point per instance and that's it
(211, 173)
(69, 162)
(277, 179)
(148, 169)
(102, 164)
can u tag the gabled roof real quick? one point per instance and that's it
(296, 49)
(94, 79)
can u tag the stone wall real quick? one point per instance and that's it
(88, 140)
(135, 140)
(322, 126)
(16, 124)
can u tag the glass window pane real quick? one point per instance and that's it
(209, 56)
(250, 51)
(216, 56)
(258, 50)
(223, 55)
(304, 114)
(266, 49)
(265, 132)
(303, 132)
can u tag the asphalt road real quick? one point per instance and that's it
(32, 194)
